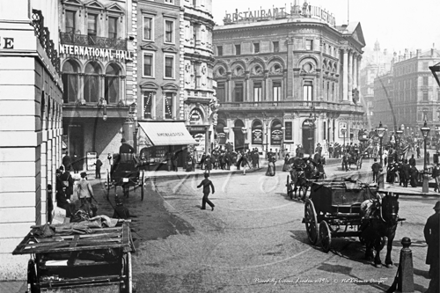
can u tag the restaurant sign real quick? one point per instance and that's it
(257, 136)
(277, 136)
(91, 52)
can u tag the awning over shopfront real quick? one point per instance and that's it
(166, 133)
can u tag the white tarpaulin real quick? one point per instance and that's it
(167, 133)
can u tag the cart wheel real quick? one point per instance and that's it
(325, 235)
(289, 187)
(311, 221)
(32, 280)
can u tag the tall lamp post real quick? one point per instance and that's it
(380, 132)
(425, 132)
(343, 130)
(399, 133)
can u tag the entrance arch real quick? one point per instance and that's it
(238, 135)
(308, 136)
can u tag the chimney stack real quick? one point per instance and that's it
(419, 52)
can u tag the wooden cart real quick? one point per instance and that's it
(96, 261)
(333, 210)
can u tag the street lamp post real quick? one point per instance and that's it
(343, 130)
(425, 132)
(399, 133)
(380, 132)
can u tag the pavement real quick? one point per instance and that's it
(332, 166)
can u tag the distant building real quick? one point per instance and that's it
(412, 94)
(30, 122)
(287, 78)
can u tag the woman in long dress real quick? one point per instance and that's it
(286, 166)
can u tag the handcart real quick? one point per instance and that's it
(77, 258)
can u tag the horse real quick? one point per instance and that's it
(379, 220)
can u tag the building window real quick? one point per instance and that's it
(425, 96)
(148, 28)
(425, 81)
(221, 92)
(169, 31)
(276, 46)
(169, 66)
(91, 82)
(70, 81)
(238, 92)
(169, 1)
(276, 91)
(112, 83)
(256, 47)
(70, 21)
(112, 27)
(148, 98)
(309, 45)
(308, 91)
(258, 90)
(148, 65)
(219, 50)
(237, 49)
(92, 24)
(169, 106)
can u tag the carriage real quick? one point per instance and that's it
(333, 210)
(78, 258)
(126, 171)
(302, 174)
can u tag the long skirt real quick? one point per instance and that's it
(270, 170)
(286, 167)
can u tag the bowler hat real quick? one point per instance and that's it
(83, 174)
(437, 205)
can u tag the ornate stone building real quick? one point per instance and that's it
(287, 77)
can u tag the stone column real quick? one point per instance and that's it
(355, 71)
(345, 76)
(350, 74)
(229, 87)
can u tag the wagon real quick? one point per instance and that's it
(333, 210)
(68, 261)
(127, 171)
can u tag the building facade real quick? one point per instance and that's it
(287, 78)
(409, 92)
(99, 78)
(30, 122)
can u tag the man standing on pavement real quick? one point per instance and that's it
(435, 175)
(207, 185)
(432, 235)
(85, 193)
(376, 167)
(412, 161)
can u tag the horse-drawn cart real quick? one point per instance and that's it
(66, 259)
(333, 210)
(127, 171)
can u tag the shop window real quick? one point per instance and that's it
(70, 21)
(92, 25)
(148, 65)
(112, 27)
(169, 104)
(148, 28)
(258, 89)
(70, 77)
(276, 46)
(169, 66)
(169, 31)
(91, 82)
(238, 92)
(148, 104)
(221, 92)
(308, 91)
(276, 90)
(112, 84)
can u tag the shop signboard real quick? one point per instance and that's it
(288, 130)
(221, 138)
(276, 136)
(91, 160)
(257, 136)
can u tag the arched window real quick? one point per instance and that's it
(70, 81)
(112, 83)
(91, 82)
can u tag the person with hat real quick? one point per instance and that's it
(432, 235)
(207, 186)
(85, 193)
(125, 147)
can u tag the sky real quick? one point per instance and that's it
(396, 24)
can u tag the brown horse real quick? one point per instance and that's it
(380, 218)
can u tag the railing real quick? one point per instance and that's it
(93, 41)
(43, 35)
(325, 105)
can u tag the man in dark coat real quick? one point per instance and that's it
(67, 162)
(125, 147)
(435, 175)
(121, 212)
(376, 167)
(404, 173)
(412, 161)
(432, 235)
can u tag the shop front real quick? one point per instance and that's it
(162, 145)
